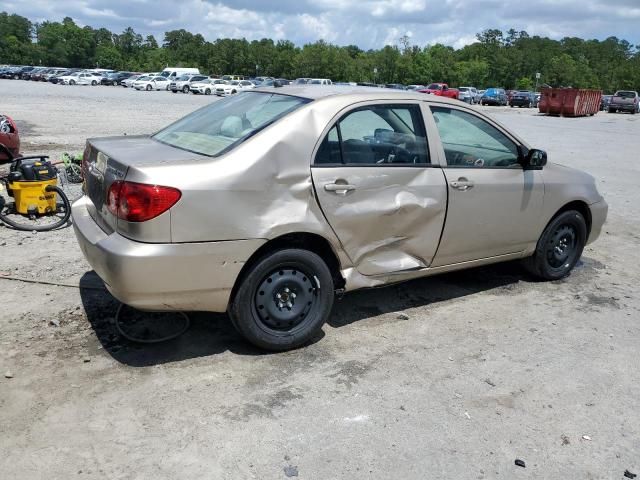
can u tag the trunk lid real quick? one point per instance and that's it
(110, 159)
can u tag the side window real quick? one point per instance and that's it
(329, 151)
(469, 141)
(377, 135)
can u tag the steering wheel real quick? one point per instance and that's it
(399, 154)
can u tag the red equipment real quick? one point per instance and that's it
(9, 139)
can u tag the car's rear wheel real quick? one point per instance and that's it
(72, 82)
(94, 83)
(284, 299)
(559, 248)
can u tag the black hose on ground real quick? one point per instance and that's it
(40, 228)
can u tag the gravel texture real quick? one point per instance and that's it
(448, 377)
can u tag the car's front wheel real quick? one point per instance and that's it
(559, 248)
(185, 89)
(207, 91)
(284, 300)
(148, 88)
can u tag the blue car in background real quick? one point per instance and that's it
(494, 96)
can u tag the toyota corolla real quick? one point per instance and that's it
(268, 203)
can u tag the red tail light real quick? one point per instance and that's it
(139, 202)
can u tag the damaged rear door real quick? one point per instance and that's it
(380, 187)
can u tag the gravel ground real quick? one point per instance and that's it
(483, 367)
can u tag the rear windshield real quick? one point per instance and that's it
(626, 94)
(216, 128)
(434, 86)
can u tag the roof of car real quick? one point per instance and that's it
(315, 92)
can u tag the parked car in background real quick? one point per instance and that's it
(523, 98)
(624, 101)
(231, 78)
(128, 82)
(233, 87)
(605, 101)
(494, 96)
(319, 81)
(17, 74)
(415, 87)
(115, 78)
(266, 205)
(149, 83)
(395, 86)
(52, 73)
(183, 82)
(206, 86)
(441, 90)
(80, 78)
(468, 95)
(301, 81)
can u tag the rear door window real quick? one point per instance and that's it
(376, 135)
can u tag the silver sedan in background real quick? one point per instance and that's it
(268, 203)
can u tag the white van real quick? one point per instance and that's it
(172, 73)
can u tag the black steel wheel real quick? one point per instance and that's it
(284, 300)
(560, 247)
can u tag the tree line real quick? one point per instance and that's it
(506, 59)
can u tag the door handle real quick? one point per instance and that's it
(339, 188)
(461, 184)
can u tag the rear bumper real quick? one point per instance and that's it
(598, 216)
(624, 107)
(167, 276)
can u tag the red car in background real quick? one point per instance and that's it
(9, 139)
(441, 90)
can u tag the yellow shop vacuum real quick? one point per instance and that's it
(33, 184)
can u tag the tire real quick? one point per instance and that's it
(207, 91)
(174, 91)
(612, 110)
(233, 92)
(283, 277)
(148, 88)
(93, 83)
(185, 89)
(72, 82)
(559, 248)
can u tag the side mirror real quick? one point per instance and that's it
(535, 159)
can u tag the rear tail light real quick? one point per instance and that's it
(139, 202)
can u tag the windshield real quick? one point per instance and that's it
(218, 127)
(626, 94)
(182, 78)
(464, 89)
(144, 78)
(434, 86)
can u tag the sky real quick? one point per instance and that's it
(366, 23)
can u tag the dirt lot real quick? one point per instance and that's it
(489, 366)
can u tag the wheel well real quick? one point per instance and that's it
(581, 207)
(305, 241)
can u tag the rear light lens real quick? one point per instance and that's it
(139, 202)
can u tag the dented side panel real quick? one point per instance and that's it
(393, 218)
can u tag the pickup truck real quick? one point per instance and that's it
(624, 100)
(441, 90)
